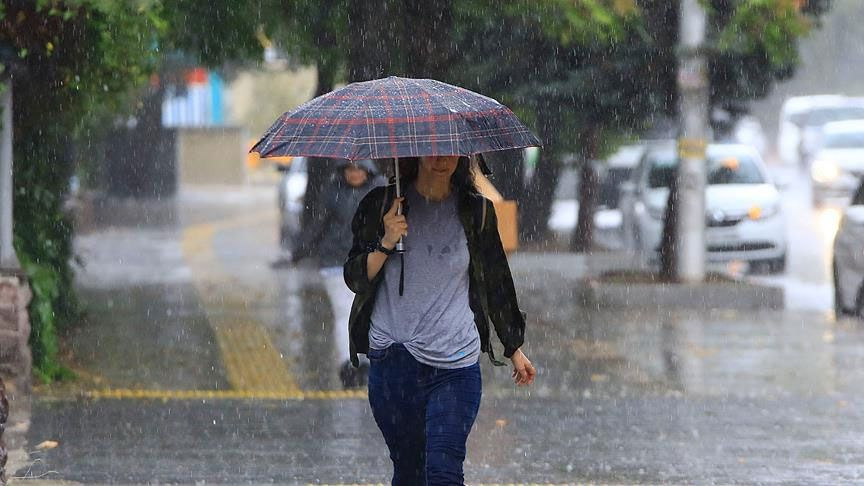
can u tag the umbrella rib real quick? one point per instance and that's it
(409, 113)
(478, 134)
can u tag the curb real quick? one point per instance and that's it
(591, 293)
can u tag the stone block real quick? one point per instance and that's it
(9, 293)
(9, 319)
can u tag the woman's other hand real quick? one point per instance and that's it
(395, 225)
(523, 370)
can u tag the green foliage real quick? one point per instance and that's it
(74, 59)
(213, 31)
(753, 46)
(764, 26)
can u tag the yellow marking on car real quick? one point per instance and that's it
(139, 394)
(252, 362)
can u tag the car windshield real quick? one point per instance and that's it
(722, 169)
(821, 116)
(844, 140)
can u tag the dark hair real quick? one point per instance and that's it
(462, 179)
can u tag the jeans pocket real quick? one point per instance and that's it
(377, 355)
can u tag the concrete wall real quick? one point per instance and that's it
(211, 156)
(255, 98)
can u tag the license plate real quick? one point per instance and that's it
(721, 234)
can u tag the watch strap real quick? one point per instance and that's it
(384, 250)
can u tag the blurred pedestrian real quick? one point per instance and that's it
(330, 234)
(423, 317)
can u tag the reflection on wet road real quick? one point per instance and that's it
(211, 366)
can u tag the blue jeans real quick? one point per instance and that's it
(425, 415)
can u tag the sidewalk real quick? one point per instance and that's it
(626, 396)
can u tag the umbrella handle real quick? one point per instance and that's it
(400, 246)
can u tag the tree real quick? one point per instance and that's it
(69, 57)
(578, 72)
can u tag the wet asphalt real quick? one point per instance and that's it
(198, 363)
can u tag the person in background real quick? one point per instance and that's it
(330, 234)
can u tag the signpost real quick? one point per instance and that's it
(8, 260)
(692, 144)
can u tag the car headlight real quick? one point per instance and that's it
(762, 212)
(824, 171)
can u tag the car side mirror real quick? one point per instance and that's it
(855, 214)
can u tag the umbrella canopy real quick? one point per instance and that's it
(395, 117)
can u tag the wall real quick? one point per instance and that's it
(211, 156)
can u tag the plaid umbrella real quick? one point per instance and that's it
(395, 117)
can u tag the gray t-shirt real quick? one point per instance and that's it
(433, 318)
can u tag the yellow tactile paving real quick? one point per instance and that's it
(125, 394)
(252, 363)
(475, 484)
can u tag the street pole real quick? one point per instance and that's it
(8, 261)
(692, 143)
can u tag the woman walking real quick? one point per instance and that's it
(423, 317)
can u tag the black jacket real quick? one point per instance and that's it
(492, 294)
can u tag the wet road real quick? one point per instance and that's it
(198, 363)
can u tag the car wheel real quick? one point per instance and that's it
(859, 302)
(839, 310)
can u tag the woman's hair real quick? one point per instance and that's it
(462, 179)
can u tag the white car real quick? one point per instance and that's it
(789, 131)
(744, 216)
(839, 164)
(849, 259)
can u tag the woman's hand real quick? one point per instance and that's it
(523, 370)
(395, 226)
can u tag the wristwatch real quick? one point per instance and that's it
(384, 250)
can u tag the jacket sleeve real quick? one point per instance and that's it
(364, 229)
(506, 317)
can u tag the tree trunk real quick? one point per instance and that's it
(371, 39)
(583, 235)
(668, 257)
(536, 204)
(429, 48)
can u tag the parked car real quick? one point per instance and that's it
(848, 263)
(839, 163)
(788, 130)
(802, 119)
(292, 188)
(744, 216)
